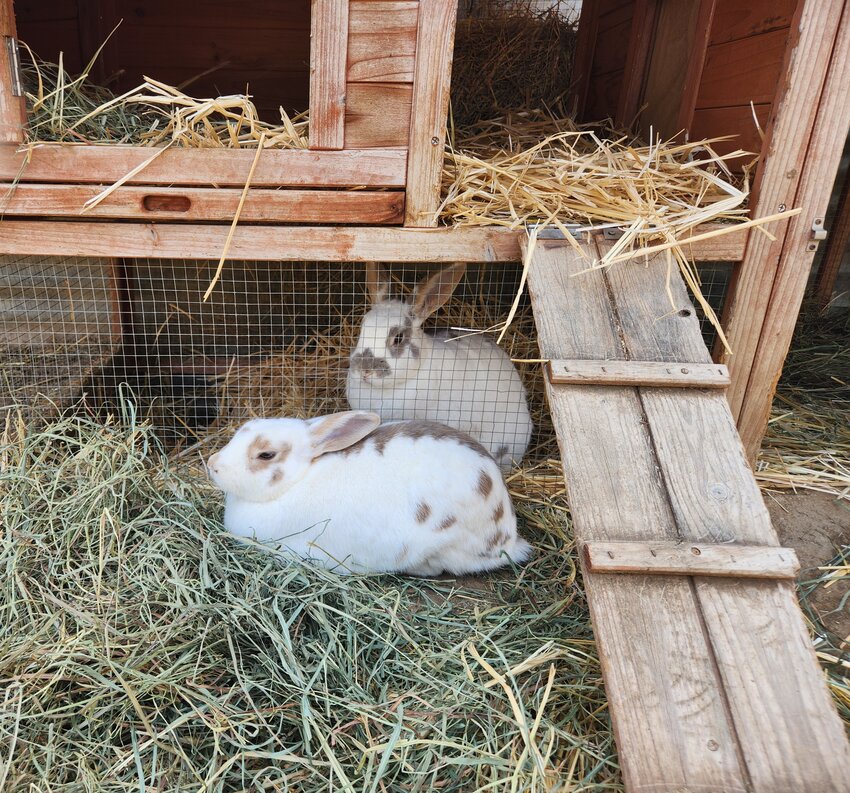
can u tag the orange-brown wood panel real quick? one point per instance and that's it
(377, 115)
(743, 71)
(382, 40)
(738, 121)
(736, 20)
(42, 10)
(612, 38)
(48, 37)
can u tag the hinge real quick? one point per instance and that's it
(818, 231)
(554, 232)
(14, 55)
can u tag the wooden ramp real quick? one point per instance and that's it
(710, 673)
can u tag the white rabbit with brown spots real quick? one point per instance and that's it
(401, 372)
(411, 497)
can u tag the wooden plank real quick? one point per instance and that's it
(382, 40)
(661, 734)
(696, 63)
(12, 109)
(671, 52)
(736, 20)
(613, 29)
(802, 151)
(39, 11)
(586, 39)
(223, 168)
(280, 243)
(637, 59)
(836, 247)
(204, 203)
(677, 558)
(432, 75)
(737, 121)
(791, 738)
(377, 115)
(256, 14)
(328, 56)
(638, 373)
(743, 71)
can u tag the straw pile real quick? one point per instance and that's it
(146, 649)
(510, 54)
(808, 438)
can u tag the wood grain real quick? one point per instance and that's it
(743, 71)
(382, 40)
(638, 373)
(377, 115)
(227, 168)
(432, 76)
(203, 203)
(637, 58)
(280, 243)
(736, 20)
(328, 58)
(677, 734)
(675, 558)
(777, 182)
(735, 121)
(12, 110)
(715, 499)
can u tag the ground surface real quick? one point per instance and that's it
(815, 524)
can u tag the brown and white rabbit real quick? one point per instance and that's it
(411, 497)
(401, 372)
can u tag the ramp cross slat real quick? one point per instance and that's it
(712, 683)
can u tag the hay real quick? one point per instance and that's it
(147, 649)
(510, 54)
(807, 444)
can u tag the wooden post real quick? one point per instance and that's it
(328, 63)
(637, 60)
(802, 153)
(431, 82)
(837, 242)
(13, 114)
(588, 26)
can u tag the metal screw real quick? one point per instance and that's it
(696, 551)
(818, 221)
(812, 246)
(435, 141)
(781, 208)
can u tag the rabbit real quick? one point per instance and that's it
(412, 497)
(401, 372)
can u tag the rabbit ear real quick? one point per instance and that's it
(341, 430)
(436, 290)
(377, 282)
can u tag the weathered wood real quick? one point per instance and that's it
(204, 203)
(12, 109)
(677, 734)
(586, 41)
(432, 74)
(382, 40)
(772, 278)
(281, 243)
(676, 558)
(638, 373)
(328, 60)
(791, 738)
(836, 247)
(228, 168)
(737, 121)
(736, 20)
(696, 63)
(377, 115)
(637, 58)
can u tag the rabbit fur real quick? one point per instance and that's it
(401, 372)
(410, 497)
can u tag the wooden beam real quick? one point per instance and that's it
(13, 114)
(586, 39)
(689, 558)
(204, 203)
(280, 243)
(638, 373)
(696, 63)
(432, 76)
(328, 66)
(224, 168)
(804, 150)
(286, 243)
(637, 60)
(836, 248)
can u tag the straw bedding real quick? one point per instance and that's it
(147, 649)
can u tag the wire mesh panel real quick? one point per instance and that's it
(714, 285)
(294, 339)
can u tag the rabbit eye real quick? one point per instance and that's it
(266, 455)
(398, 339)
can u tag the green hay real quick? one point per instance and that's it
(146, 649)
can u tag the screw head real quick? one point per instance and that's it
(781, 208)
(812, 246)
(435, 141)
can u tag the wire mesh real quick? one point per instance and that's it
(714, 285)
(275, 338)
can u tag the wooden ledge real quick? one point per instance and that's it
(691, 558)
(638, 373)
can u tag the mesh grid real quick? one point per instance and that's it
(274, 339)
(714, 285)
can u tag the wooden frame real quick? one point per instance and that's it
(369, 61)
